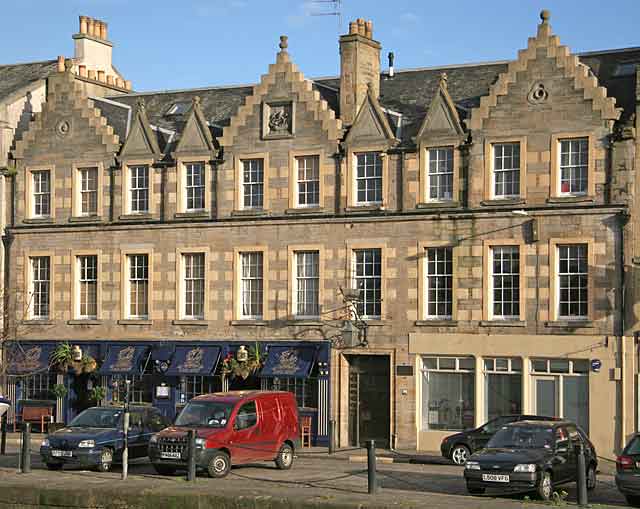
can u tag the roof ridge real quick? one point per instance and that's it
(30, 63)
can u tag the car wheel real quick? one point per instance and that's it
(591, 477)
(164, 469)
(475, 491)
(545, 488)
(460, 454)
(633, 500)
(284, 459)
(54, 466)
(219, 465)
(106, 460)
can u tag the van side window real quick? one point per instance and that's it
(247, 416)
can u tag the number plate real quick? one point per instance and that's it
(61, 454)
(495, 478)
(170, 455)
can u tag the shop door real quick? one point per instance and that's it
(369, 399)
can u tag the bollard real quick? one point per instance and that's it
(332, 436)
(125, 446)
(3, 435)
(371, 467)
(191, 458)
(25, 467)
(582, 477)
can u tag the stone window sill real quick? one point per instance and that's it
(249, 323)
(436, 323)
(501, 202)
(305, 322)
(373, 322)
(135, 322)
(503, 323)
(37, 322)
(194, 214)
(249, 213)
(84, 322)
(570, 324)
(365, 208)
(85, 219)
(570, 199)
(135, 217)
(38, 220)
(305, 211)
(197, 323)
(438, 205)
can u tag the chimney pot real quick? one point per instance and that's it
(101, 76)
(103, 30)
(361, 27)
(97, 24)
(109, 79)
(128, 85)
(369, 29)
(91, 74)
(353, 27)
(90, 26)
(60, 63)
(83, 24)
(119, 82)
(82, 70)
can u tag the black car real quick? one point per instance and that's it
(531, 456)
(95, 437)
(460, 446)
(628, 471)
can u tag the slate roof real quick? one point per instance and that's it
(409, 92)
(14, 77)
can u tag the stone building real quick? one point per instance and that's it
(480, 211)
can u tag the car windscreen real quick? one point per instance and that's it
(212, 414)
(98, 418)
(522, 437)
(634, 446)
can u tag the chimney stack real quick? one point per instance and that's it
(359, 67)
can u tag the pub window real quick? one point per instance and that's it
(574, 165)
(439, 283)
(194, 186)
(193, 274)
(440, 175)
(367, 275)
(448, 394)
(505, 282)
(87, 287)
(304, 389)
(139, 189)
(251, 285)
(506, 170)
(40, 287)
(573, 281)
(138, 286)
(307, 284)
(196, 385)
(368, 181)
(88, 180)
(253, 183)
(41, 185)
(308, 186)
(39, 386)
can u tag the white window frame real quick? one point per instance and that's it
(87, 281)
(378, 163)
(506, 275)
(190, 280)
(302, 289)
(300, 183)
(362, 303)
(438, 174)
(84, 191)
(495, 171)
(560, 275)
(249, 186)
(200, 189)
(35, 288)
(584, 166)
(38, 193)
(131, 189)
(248, 282)
(428, 277)
(129, 282)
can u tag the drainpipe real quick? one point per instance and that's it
(622, 217)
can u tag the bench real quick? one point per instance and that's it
(34, 414)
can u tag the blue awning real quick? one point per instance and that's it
(28, 358)
(123, 359)
(289, 361)
(194, 360)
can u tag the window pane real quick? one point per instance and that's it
(573, 287)
(139, 189)
(88, 191)
(439, 283)
(253, 183)
(506, 169)
(506, 282)
(193, 268)
(308, 181)
(41, 193)
(574, 161)
(40, 287)
(307, 283)
(559, 366)
(503, 395)
(368, 177)
(368, 279)
(251, 285)
(87, 286)
(440, 178)
(447, 363)
(546, 397)
(194, 186)
(539, 366)
(449, 402)
(138, 286)
(575, 400)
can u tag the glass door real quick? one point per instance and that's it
(546, 396)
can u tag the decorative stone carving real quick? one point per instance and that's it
(63, 127)
(278, 119)
(538, 93)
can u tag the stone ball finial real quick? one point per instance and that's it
(140, 104)
(443, 79)
(196, 100)
(284, 43)
(545, 15)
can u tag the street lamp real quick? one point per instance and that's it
(348, 331)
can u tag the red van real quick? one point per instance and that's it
(232, 428)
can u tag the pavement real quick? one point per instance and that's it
(316, 480)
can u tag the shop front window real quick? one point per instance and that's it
(195, 385)
(140, 389)
(39, 386)
(448, 393)
(502, 387)
(305, 389)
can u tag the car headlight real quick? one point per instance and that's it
(472, 465)
(525, 467)
(87, 443)
(45, 443)
(153, 439)
(200, 442)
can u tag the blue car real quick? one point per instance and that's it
(94, 439)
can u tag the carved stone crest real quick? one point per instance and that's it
(538, 93)
(63, 127)
(278, 119)
(193, 362)
(125, 359)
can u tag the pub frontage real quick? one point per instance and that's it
(165, 374)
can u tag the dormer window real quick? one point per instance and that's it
(179, 108)
(368, 178)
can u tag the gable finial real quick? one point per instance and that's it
(284, 43)
(196, 100)
(443, 80)
(544, 16)
(140, 104)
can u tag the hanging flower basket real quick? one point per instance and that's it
(62, 357)
(89, 364)
(234, 368)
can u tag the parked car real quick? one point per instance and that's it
(95, 437)
(531, 456)
(231, 428)
(628, 471)
(460, 446)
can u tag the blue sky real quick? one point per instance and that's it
(164, 44)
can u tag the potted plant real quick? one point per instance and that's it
(89, 364)
(59, 391)
(97, 394)
(62, 357)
